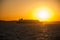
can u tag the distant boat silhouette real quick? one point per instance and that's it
(27, 21)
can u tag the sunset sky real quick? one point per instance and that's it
(15, 9)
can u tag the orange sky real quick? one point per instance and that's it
(15, 9)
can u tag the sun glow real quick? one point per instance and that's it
(44, 14)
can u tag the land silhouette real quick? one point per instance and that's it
(29, 30)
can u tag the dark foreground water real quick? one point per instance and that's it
(28, 31)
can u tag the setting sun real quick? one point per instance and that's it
(44, 14)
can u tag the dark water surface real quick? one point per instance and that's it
(28, 31)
